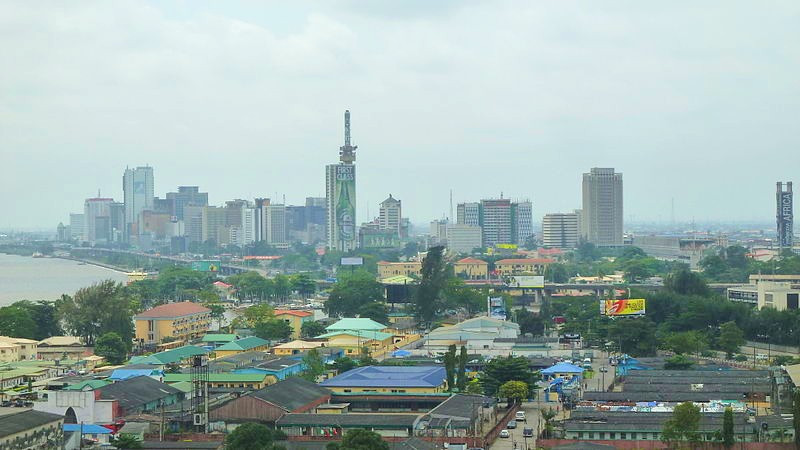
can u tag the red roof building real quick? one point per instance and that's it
(519, 266)
(181, 321)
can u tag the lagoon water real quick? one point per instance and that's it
(26, 278)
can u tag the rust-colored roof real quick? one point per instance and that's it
(525, 261)
(292, 312)
(471, 261)
(173, 310)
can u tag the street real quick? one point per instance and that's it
(516, 440)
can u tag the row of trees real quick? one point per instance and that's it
(252, 286)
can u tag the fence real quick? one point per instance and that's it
(550, 443)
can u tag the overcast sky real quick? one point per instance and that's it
(696, 101)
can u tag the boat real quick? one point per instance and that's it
(37, 255)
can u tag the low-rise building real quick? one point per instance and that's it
(376, 342)
(174, 356)
(182, 321)
(522, 266)
(471, 269)
(295, 347)
(62, 347)
(280, 368)
(295, 318)
(478, 333)
(391, 269)
(333, 426)
(217, 339)
(248, 344)
(267, 405)
(779, 295)
(390, 379)
(27, 348)
(31, 430)
(249, 381)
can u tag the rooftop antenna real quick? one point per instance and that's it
(347, 153)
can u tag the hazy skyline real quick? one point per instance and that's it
(696, 102)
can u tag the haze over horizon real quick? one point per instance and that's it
(696, 102)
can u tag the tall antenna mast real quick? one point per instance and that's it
(347, 128)
(347, 152)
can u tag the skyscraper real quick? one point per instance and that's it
(77, 227)
(273, 221)
(97, 216)
(187, 196)
(496, 221)
(601, 218)
(469, 214)
(785, 215)
(138, 188)
(340, 195)
(390, 215)
(521, 222)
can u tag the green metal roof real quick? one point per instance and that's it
(376, 335)
(219, 377)
(183, 386)
(169, 356)
(244, 344)
(88, 385)
(356, 324)
(219, 337)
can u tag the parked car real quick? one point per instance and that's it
(504, 434)
(511, 424)
(6, 404)
(527, 432)
(520, 416)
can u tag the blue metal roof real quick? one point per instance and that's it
(389, 376)
(124, 374)
(87, 428)
(562, 367)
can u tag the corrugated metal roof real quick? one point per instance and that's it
(389, 376)
(356, 324)
(243, 344)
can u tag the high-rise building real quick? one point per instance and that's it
(469, 214)
(462, 238)
(97, 217)
(193, 223)
(340, 195)
(61, 233)
(77, 227)
(117, 221)
(390, 215)
(187, 196)
(213, 225)
(521, 222)
(273, 221)
(601, 219)
(496, 221)
(560, 230)
(784, 215)
(138, 188)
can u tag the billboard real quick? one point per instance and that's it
(623, 307)
(526, 282)
(345, 208)
(497, 308)
(354, 261)
(785, 219)
(205, 266)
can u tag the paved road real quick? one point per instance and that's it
(517, 441)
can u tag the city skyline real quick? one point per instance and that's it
(212, 92)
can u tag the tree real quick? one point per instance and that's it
(635, 336)
(111, 347)
(359, 439)
(678, 362)
(727, 428)
(217, 312)
(450, 367)
(730, 339)
(352, 291)
(365, 358)
(683, 425)
(314, 365)
(796, 416)
(252, 436)
(686, 282)
(474, 386)
(457, 294)
(16, 321)
(303, 284)
(44, 316)
(375, 311)
(434, 276)
(686, 342)
(96, 310)
(529, 322)
(273, 329)
(461, 375)
(343, 364)
(513, 391)
(253, 315)
(126, 441)
(312, 329)
(502, 369)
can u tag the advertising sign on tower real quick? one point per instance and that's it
(623, 307)
(345, 203)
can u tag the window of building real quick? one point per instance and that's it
(768, 299)
(792, 301)
(347, 390)
(580, 435)
(633, 436)
(602, 435)
(612, 435)
(623, 436)
(591, 435)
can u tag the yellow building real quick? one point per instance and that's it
(471, 269)
(27, 347)
(295, 347)
(228, 380)
(522, 266)
(183, 321)
(377, 342)
(60, 347)
(295, 318)
(391, 269)
(9, 352)
(389, 379)
(248, 344)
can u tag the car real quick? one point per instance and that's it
(520, 416)
(604, 369)
(511, 424)
(7, 404)
(504, 434)
(527, 432)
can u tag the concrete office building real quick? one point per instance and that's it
(601, 219)
(77, 227)
(273, 221)
(462, 238)
(193, 223)
(138, 188)
(118, 226)
(780, 295)
(97, 215)
(784, 215)
(187, 196)
(496, 222)
(469, 214)
(213, 225)
(560, 230)
(340, 195)
(390, 215)
(521, 221)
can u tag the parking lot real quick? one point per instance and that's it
(516, 440)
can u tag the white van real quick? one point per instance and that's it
(520, 417)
